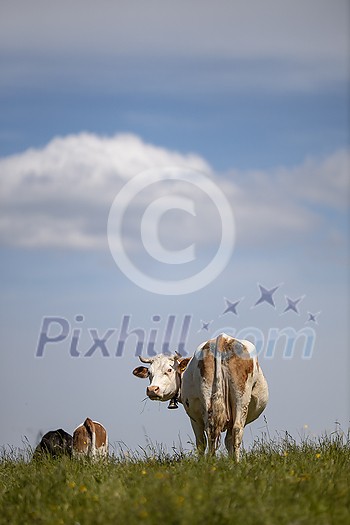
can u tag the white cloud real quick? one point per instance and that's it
(292, 203)
(323, 182)
(60, 195)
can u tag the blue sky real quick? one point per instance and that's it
(257, 100)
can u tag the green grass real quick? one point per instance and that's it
(275, 483)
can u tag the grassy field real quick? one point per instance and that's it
(275, 483)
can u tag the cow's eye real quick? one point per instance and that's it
(169, 370)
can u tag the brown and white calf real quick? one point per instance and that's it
(222, 388)
(90, 439)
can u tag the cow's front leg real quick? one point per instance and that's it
(201, 441)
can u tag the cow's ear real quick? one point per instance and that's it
(181, 366)
(141, 371)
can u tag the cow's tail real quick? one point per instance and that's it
(90, 427)
(217, 412)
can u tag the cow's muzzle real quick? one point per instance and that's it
(153, 392)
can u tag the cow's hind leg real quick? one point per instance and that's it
(237, 436)
(234, 435)
(201, 442)
(229, 441)
(238, 427)
(213, 439)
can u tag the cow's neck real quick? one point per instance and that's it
(178, 393)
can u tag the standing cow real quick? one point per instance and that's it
(222, 388)
(90, 439)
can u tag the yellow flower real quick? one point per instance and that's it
(304, 477)
(180, 500)
(318, 455)
(82, 488)
(143, 472)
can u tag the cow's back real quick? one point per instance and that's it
(55, 443)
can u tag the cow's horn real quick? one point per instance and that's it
(145, 359)
(177, 355)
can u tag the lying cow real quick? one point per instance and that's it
(90, 439)
(222, 388)
(55, 443)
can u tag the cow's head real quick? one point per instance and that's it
(164, 373)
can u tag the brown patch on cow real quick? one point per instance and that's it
(183, 364)
(206, 367)
(101, 435)
(236, 356)
(141, 371)
(201, 367)
(89, 425)
(82, 437)
(210, 345)
(240, 366)
(221, 344)
(81, 440)
(232, 346)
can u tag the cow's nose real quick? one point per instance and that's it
(152, 390)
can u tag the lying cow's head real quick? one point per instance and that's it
(164, 375)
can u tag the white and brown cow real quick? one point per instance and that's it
(222, 388)
(90, 439)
